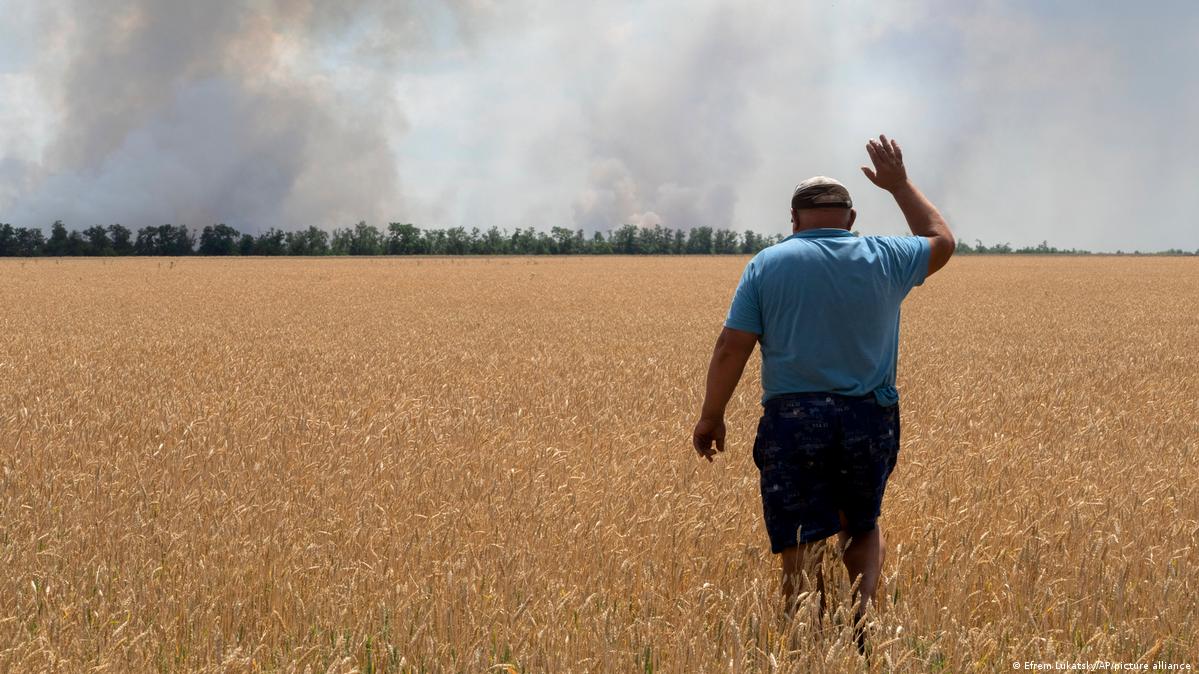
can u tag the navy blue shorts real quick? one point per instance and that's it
(820, 454)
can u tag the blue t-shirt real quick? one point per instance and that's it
(825, 304)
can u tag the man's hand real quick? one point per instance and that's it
(733, 348)
(923, 218)
(708, 431)
(888, 172)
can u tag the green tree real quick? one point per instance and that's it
(311, 241)
(76, 245)
(180, 240)
(318, 241)
(434, 241)
(147, 241)
(366, 240)
(656, 240)
(30, 242)
(564, 240)
(477, 244)
(404, 239)
(624, 241)
(8, 240)
(121, 238)
(164, 240)
(340, 241)
(219, 240)
(271, 242)
(457, 242)
(750, 242)
(725, 242)
(699, 241)
(495, 241)
(524, 241)
(98, 242)
(295, 243)
(599, 245)
(57, 243)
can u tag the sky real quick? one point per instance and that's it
(1067, 121)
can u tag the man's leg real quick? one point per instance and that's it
(797, 560)
(792, 452)
(871, 444)
(863, 555)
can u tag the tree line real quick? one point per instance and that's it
(364, 239)
(408, 239)
(1043, 248)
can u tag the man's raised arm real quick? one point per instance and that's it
(923, 217)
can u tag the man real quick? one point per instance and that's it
(824, 304)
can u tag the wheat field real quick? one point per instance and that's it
(473, 465)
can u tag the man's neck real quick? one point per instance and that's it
(797, 230)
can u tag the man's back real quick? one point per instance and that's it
(826, 306)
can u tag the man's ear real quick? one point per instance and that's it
(794, 219)
(853, 215)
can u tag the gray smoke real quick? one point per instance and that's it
(255, 113)
(665, 147)
(1023, 120)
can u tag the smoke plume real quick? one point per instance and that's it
(258, 113)
(1023, 120)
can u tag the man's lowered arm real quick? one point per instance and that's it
(733, 349)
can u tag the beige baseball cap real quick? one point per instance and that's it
(820, 192)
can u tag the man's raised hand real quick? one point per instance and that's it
(888, 173)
